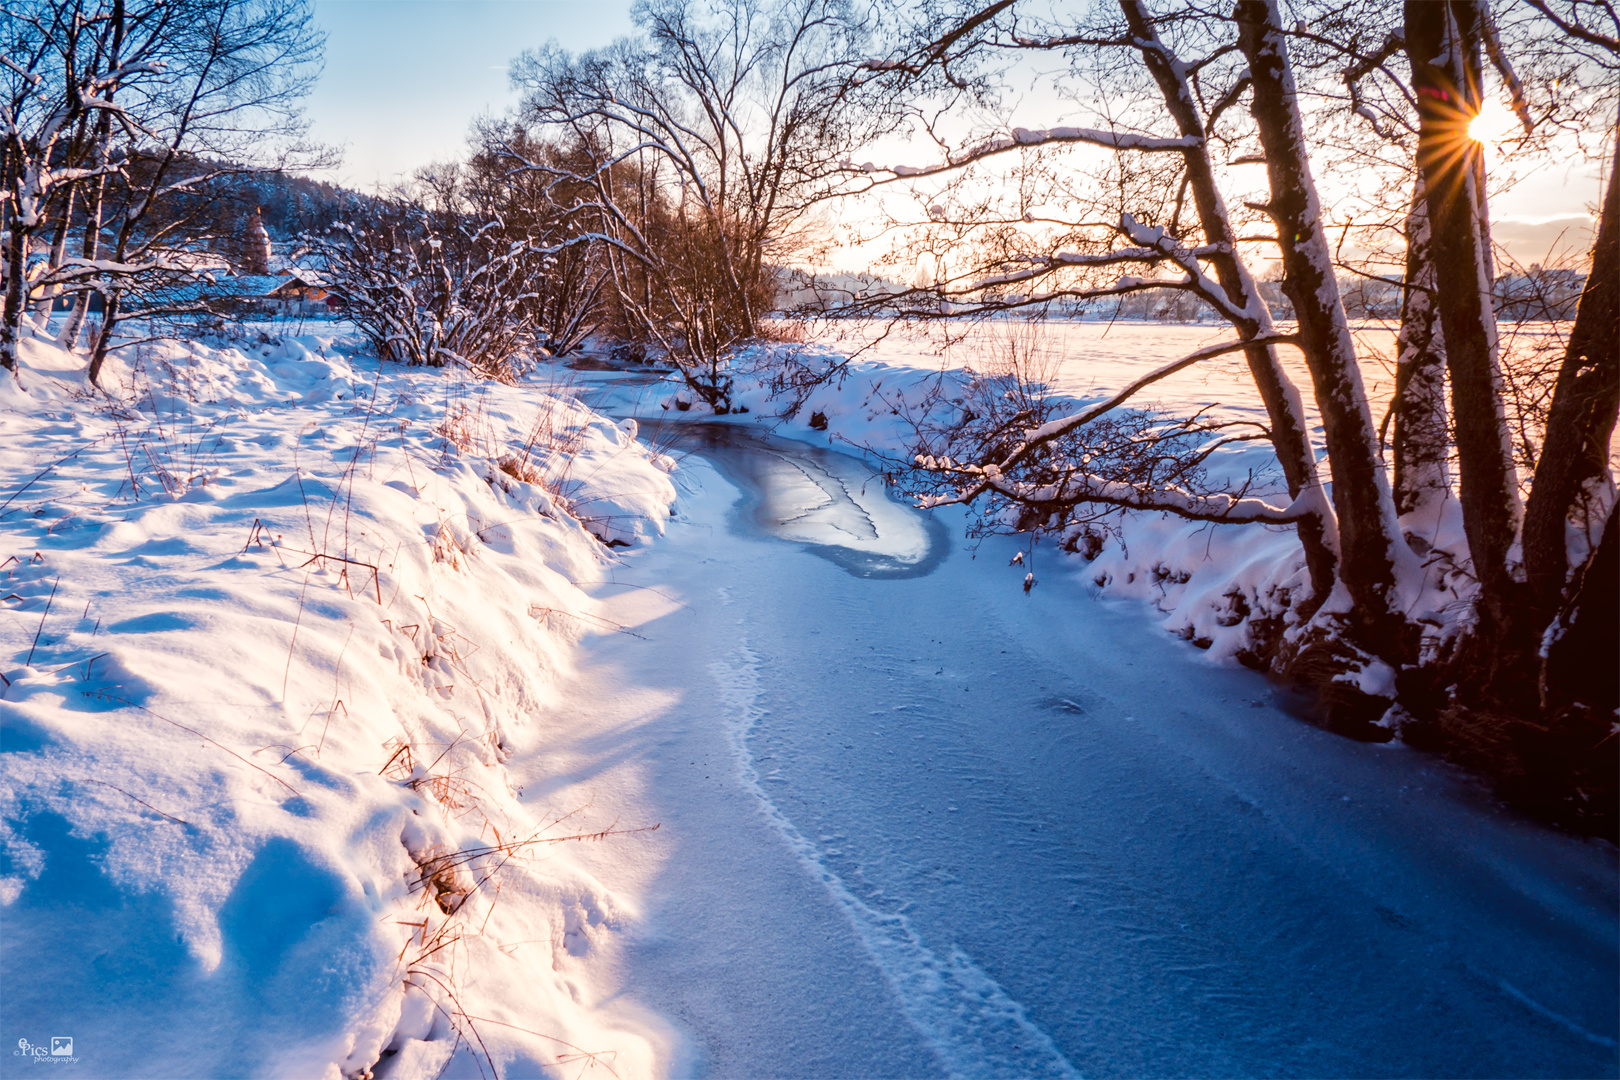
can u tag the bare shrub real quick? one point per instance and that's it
(703, 151)
(434, 287)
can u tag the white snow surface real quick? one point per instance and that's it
(1198, 576)
(919, 823)
(273, 622)
(911, 821)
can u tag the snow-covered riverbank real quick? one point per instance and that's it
(273, 623)
(311, 664)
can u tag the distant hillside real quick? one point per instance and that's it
(293, 204)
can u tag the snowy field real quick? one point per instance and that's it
(1087, 360)
(274, 622)
(382, 722)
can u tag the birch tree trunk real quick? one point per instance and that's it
(1421, 442)
(68, 337)
(47, 299)
(1290, 436)
(13, 253)
(1370, 542)
(1443, 42)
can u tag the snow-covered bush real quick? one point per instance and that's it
(434, 287)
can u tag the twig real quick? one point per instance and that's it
(205, 738)
(337, 674)
(143, 802)
(28, 662)
(45, 470)
(287, 671)
(317, 555)
(594, 1057)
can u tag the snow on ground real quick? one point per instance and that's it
(1207, 581)
(292, 720)
(273, 621)
(918, 823)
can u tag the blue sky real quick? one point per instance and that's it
(405, 78)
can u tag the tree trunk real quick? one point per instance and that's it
(1443, 44)
(12, 304)
(1370, 541)
(1318, 533)
(1421, 441)
(42, 309)
(103, 342)
(1586, 397)
(68, 338)
(1585, 637)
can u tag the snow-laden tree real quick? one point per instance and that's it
(61, 67)
(697, 156)
(1154, 212)
(1546, 605)
(428, 283)
(571, 292)
(124, 119)
(1151, 184)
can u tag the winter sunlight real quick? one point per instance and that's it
(809, 539)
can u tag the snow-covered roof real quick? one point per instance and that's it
(245, 286)
(306, 275)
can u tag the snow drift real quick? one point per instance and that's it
(273, 620)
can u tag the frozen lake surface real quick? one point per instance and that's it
(916, 823)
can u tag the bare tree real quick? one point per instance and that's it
(570, 290)
(1162, 208)
(1151, 217)
(428, 283)
(61, 68)
(144, 107)
(706, 148)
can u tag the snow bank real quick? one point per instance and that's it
(1220, 587)
(273, 621)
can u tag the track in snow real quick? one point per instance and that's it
(917, 823)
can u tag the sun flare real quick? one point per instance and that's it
(1494, 125)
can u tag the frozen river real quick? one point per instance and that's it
(916, 823)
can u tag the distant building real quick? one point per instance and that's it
(304, 292)
(256, 251)
(291, 294)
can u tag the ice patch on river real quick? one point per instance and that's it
(813, 501)
(970, 1022)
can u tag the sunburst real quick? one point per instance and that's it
(1494, 128)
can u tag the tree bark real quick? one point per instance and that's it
(103, 342)
(1370, 542)
(1580, 422)
(15, 258)
(47, 300)
(1585, 638)
(1421, 442)
(68, 338)
(1443, 43)
(1290, 436)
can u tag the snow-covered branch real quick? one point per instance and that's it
(1085, 488)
